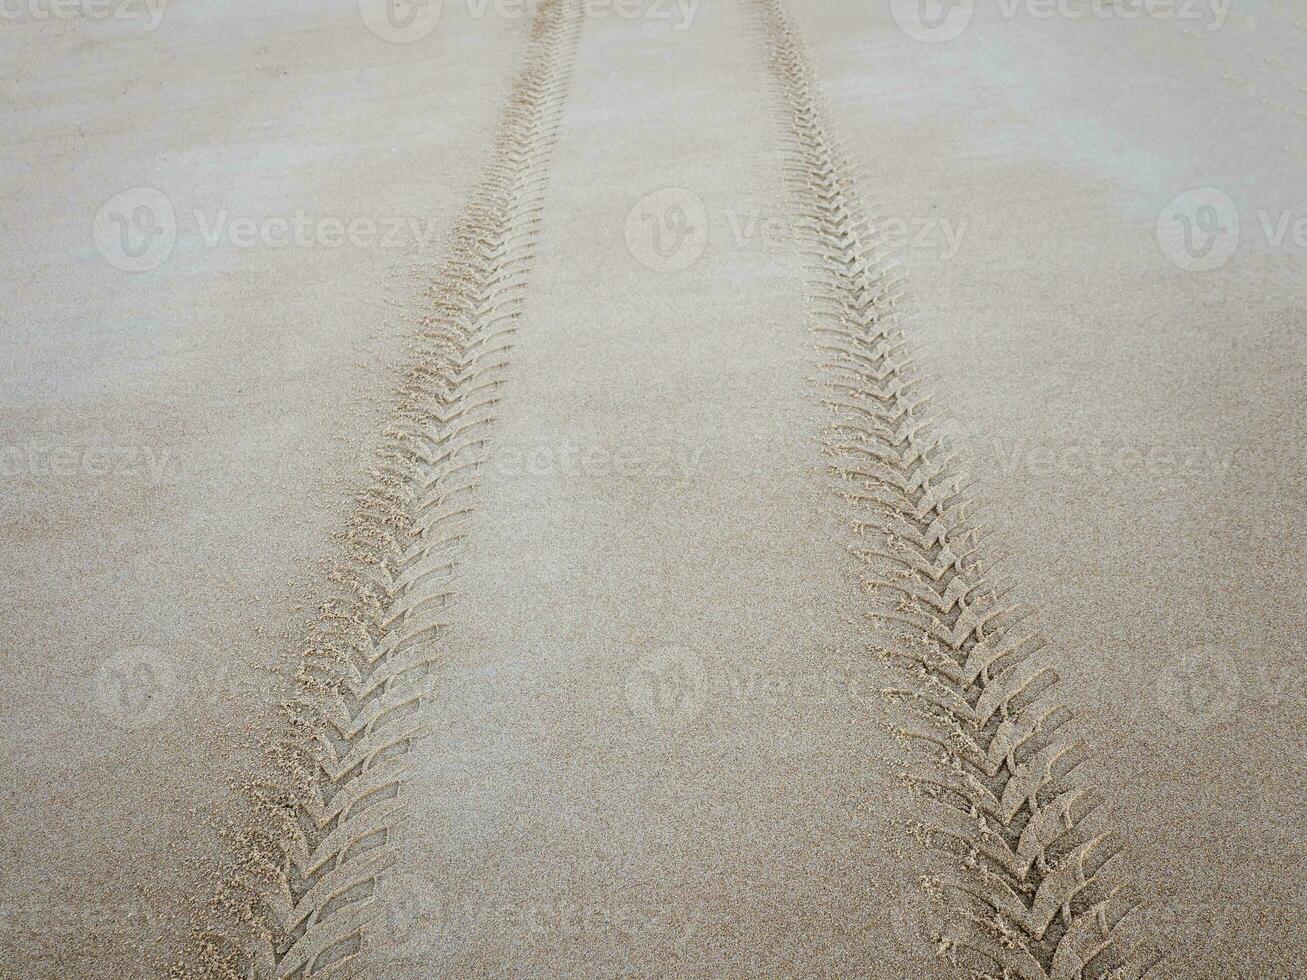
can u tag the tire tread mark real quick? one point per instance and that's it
(1032, 893)
(304, 889)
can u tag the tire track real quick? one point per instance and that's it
(304, 884)
(1031, 889)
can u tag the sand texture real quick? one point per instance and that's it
(654, 489)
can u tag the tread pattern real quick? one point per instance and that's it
(1031, 890)
(307, 888)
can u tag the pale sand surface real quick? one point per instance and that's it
(1136, 427)
(654, 499)
(247, 378)
(654, 502)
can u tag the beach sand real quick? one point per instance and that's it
(460, 475)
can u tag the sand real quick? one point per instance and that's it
(436, 552)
